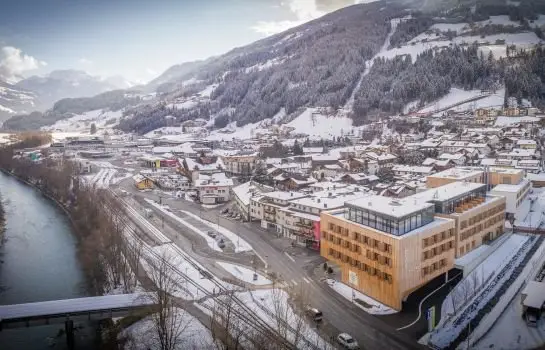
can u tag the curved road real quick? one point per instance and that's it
(370, 331)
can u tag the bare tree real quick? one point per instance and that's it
(169, 321)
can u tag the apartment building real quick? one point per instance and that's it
(241, 164)
(515, 195)
(455, 174)
(270, 208)
(493, 176)
(380, 243)
(388, 248)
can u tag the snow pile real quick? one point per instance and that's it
(272, 306)
(240, 244)
(244, 274)
(142, 335)
(375, 307)
(450, 329)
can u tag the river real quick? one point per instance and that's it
(39, 262)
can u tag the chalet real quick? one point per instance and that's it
(142, 182)
(293, 182)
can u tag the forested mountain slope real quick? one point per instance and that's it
(468, 44)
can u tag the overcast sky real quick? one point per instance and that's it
(137, 39)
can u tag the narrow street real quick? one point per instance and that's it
(296, 270)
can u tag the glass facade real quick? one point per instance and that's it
(389, 224)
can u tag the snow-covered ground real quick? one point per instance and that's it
(272, 306)
(181, 263)
(240, 244)
(244, 274)
(104, 120)
(510, 330)
(506, 121)
(193, 334)
(454, 96)
(209, 240)
(376, 308)
(505, 264)
(485, 270)
(313, 123)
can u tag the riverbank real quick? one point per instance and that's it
(40, 263)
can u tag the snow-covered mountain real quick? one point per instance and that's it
(14, 100)
(61, 84)
(381, 58)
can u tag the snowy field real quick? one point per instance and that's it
(209, 240)
(104, 121)
(194, 335)
(454, 96)
(504, 264)
(107, 175)
(182, 264)
(376, 308)
(506, 121)
(272, 306)
(240, 244)
(244, 274)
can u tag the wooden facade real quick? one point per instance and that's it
(383, 266)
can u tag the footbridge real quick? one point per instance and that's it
(68, 311)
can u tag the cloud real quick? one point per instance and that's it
(270, 28)
(151, 71)
(86, 62)
(304, 11)
(13, 63)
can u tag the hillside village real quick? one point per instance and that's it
(464, 182)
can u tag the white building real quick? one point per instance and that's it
(514, 195)
(214, 188)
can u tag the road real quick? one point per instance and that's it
(370, 331)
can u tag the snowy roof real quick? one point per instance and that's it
(446, 192)
(510, 188)
(67, 306)
(397, 208)
(526, 142)
(535, 294)
(324, 157)
(192, 164)
(283, 195)
(138, 178)
(322, 200)
(245, 191)
(213, 180)
(458, 173)
(536, 177)
(309, 150)
(412, 169)
(455, 156)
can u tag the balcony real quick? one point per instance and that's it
(269, 210)
(304, 224)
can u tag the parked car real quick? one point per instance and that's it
(347, 341)
(212, 234)
(224, 211)
(314, 313)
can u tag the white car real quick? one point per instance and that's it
(347, 341)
